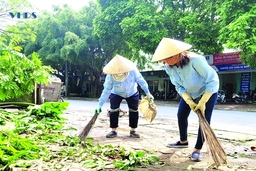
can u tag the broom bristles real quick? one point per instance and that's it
(88, 127)
(214, 147)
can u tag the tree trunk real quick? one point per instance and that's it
(97, 84)
(66, 79)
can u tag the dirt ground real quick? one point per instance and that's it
(184, 164)
(239, 158)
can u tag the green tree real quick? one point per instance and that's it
(192, 21)
(144, 23)
(113, 38)
(65, 38)
(54, 42)
(201, 25)
(144, 28)
(13, 6)
(18, 74)
(239, 28)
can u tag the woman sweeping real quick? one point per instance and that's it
(195, 81)
(121, 83)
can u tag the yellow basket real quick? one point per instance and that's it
(148, 110)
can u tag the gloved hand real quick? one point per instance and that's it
(98, 110)
(150, 97)
(186, 97)
(201, 104)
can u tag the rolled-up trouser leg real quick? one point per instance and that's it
(133, 103)
(114, 118)
(133, 119)
(115, 101)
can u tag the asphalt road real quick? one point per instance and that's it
(233, 121)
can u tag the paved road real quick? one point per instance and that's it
(222, 119)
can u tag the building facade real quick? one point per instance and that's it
(234, 76)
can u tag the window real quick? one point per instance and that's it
(153, 86)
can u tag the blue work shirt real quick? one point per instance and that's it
(125, 89)
(195, 78)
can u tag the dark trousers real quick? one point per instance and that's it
(183, 113)
(133, 103)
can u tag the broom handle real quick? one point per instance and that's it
(212, 132)
(198, 112)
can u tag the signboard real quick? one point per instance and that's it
(232, 67)
(209, 59)
(245, 82)
(226, 58)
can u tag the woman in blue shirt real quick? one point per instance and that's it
(121, 83)
(196, 82)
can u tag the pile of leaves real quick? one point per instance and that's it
(35, 137)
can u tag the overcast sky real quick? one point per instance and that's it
(47, 4)
(40, 5)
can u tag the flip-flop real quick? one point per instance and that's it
(253, 148)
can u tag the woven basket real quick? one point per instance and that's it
(148, 110)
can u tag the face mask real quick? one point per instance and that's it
(173, 60)
(120, 77)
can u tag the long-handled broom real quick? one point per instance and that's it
(214, 147)
(89, 126)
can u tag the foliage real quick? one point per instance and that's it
(7, 6)
(239, 28)
(18, 142)
(145, 23)
(18, 74)
(121, 158)
(201, 26)
(87, 39)
(116, 34)
(21, 33)
(65, 37)
(36, 137)
(14, 148)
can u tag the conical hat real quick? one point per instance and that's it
(169, 47)
(119, 65)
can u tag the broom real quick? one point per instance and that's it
(89, 126)
(214, 147)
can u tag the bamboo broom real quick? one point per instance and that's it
(89, 126)
(214, 147)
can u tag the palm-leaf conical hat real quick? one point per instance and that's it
(168, 48)
(119, 65)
